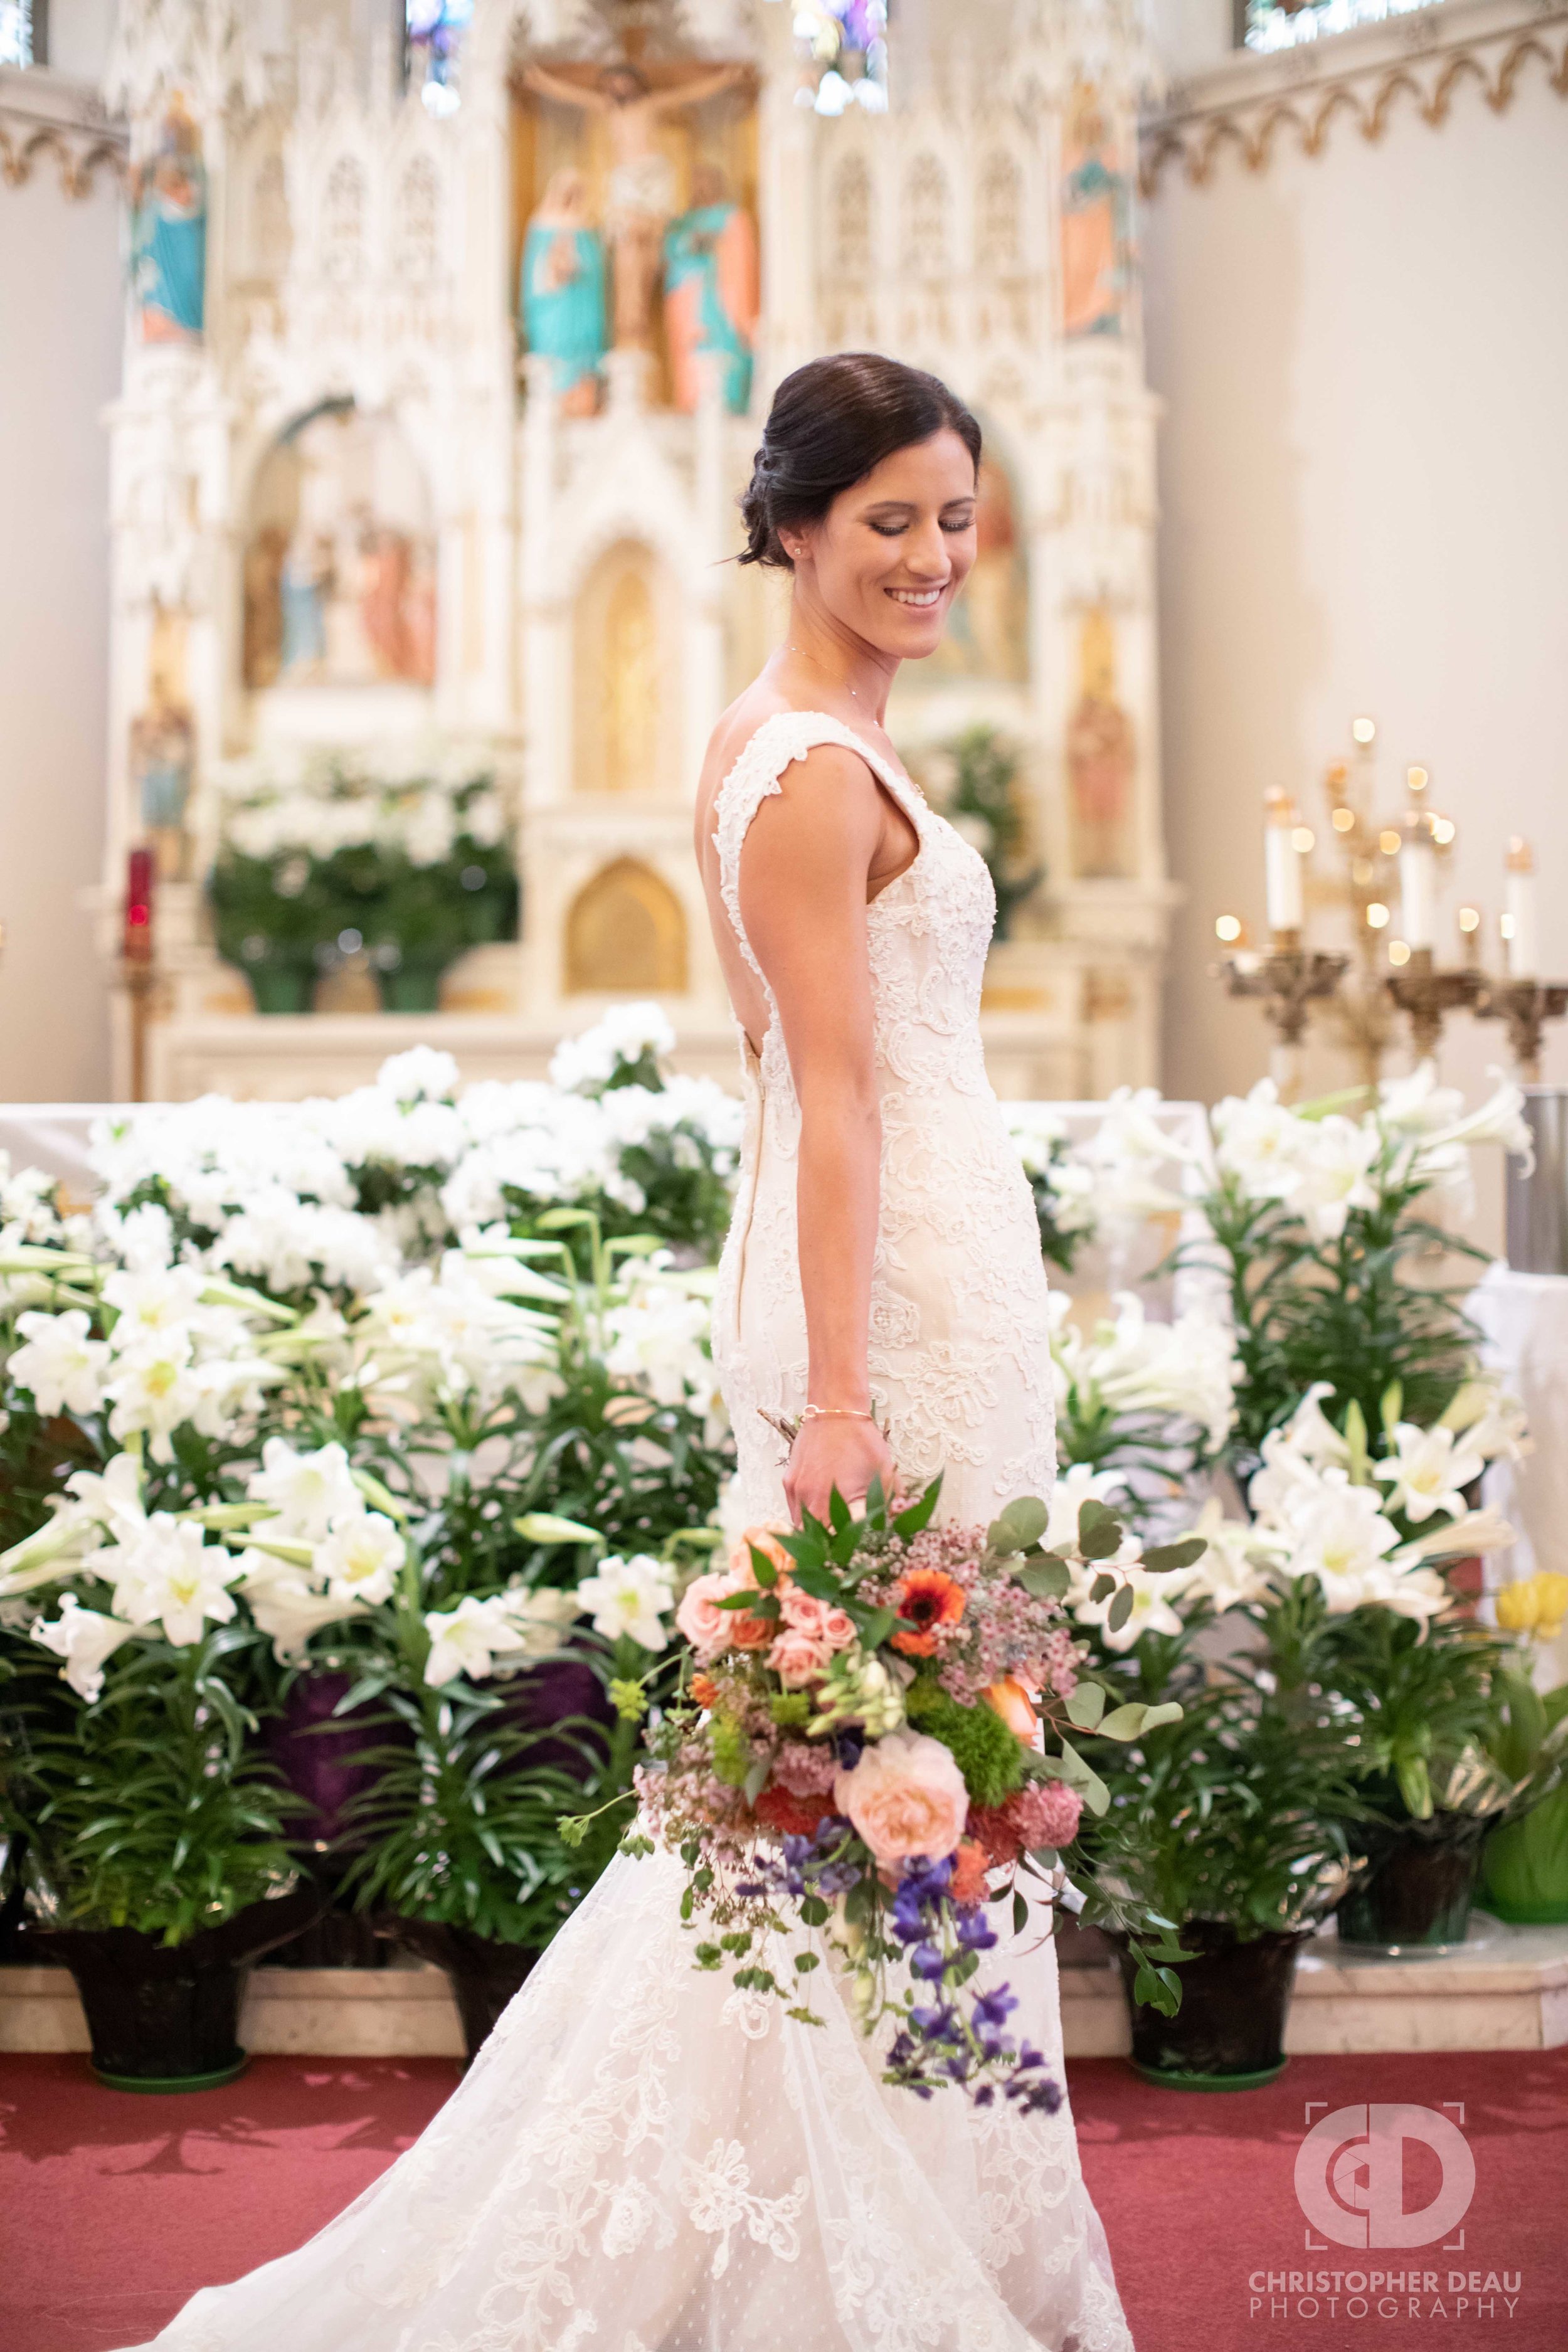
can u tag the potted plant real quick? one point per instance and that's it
(403, 857)
(157, 1865)
(1524, 1861)
(1232, 1826)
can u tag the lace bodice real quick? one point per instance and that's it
(958, 1353)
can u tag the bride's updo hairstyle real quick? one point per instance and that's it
(831, 422)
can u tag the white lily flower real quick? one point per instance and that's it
(1474, 1533)
(287, 1607)
(86, 1639)
(1428, 1471)
(628, 1597)
(154, 1390)
(361, 1556)
(1074, 1486)
(1234, 1569)
(110, 1499)
(1340, 1536)
(169, 1574)
(63, 1365)
(151, 1305)
(467, 1639)
(308, 1491)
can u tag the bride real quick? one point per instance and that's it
(642, 2158)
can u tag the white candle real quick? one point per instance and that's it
(1281, 864)
(1418, 890)
(1523, 951)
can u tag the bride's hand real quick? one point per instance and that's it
(835, 1452)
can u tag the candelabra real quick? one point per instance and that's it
(1526, 1005)
(1427, 995)
(1384, 867)
(137, 963)
(1287, 978)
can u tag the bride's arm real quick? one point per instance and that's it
(804, 872)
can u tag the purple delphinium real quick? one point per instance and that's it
(937, 2043)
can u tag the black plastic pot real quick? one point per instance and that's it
(1229, 2032)
(1416, 1892)
(486, 1975)
(166, 2017)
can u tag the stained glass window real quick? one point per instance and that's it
(433, 42)
(22, 32)
(843, 46)
(1287, 24)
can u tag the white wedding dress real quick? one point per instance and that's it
(643, 2159)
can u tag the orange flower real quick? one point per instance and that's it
(705, 1690)
(926, 1597)
(743, 1568)
(970, 1863)
(1011, 1702)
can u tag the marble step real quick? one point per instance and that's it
(1507, 1989)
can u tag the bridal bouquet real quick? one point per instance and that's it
(856, 1745)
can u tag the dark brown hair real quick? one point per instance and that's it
(831, 422)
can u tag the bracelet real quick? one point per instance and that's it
(835, 1413)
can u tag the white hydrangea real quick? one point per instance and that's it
(625, 1034)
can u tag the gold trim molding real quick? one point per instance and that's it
(46, 118)
(1251, 103)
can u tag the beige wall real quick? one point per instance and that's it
(1364, 488)
(60, 364)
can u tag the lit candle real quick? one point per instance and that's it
(1523, 956)
(137, 944)
(1281, 863)
(1419, 888)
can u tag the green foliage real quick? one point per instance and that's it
(287, 911)
(987, 1753)
(152, 1808)
(1359, 1312)
(983, 787)
(1237, 1813)
(460, 1825)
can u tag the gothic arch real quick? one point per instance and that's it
(927, 212)
(625, 935)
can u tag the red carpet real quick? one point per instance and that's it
(114, 2208)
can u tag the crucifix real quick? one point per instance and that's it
(642, 180)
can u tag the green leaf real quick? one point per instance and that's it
(1414, 1786)
(874, 1626)
(1157, 1989)
(1098, 1531)
(1132, 1721)
(1020, 1911)
(918, 1515)
(1086, 1705)
(1390, 1406)
(1161, 1559)
(1120, 1610)
(1027, 1518)
(762, 1568)
(1102, 1588)
(840, 1518)
(1048, 1578)
(1071, 1768)
(814, 1910)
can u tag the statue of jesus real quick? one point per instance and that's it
(642, 180)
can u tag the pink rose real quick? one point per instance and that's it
(705, 1625)
(799, 1658)
(838, 1630)
(803, 1610)
(906, 1796)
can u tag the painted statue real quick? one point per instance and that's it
(1100, 760)
(340, 559)
(642, 177)
(168, 234)
(711, 292)
(163, 749)
(1096, 249)
(561, 292)
(987, 631)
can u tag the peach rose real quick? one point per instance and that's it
(705, 1625)
(746, 1632)
(799, 1658)
(1011, 1702)
(906, 1796)
(838, 1630)
(742, 1565)
(824, 1623)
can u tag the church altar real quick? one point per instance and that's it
(438, 396)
